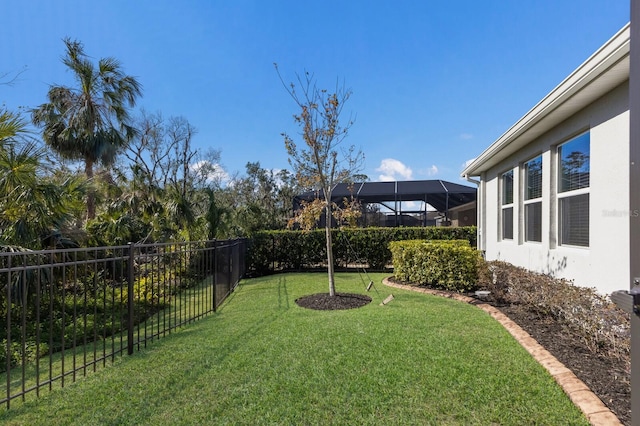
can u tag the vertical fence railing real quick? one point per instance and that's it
(68, 312)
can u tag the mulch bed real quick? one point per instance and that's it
(325, 302)
(609, 379)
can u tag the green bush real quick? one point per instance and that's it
(271, 251)
(259, 254)
(90, 308)
(450, 265)
(19, 354)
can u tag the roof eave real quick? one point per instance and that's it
(608, 66)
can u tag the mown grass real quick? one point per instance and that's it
(76, 361)
(261, 359)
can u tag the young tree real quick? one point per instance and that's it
(89, 122)
(321, 162)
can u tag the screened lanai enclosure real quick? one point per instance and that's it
(405, 203)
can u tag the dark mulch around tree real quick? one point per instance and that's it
(608, 378)
(325, 302)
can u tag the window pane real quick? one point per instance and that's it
(533, 222)
(574, 220)
(574, 164)
(507, 223)
(533, 179)
(507, 187)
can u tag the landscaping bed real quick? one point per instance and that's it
(583, 329)
(325, 302)
(608, 378)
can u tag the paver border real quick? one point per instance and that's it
(593, 408)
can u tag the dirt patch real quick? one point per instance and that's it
(325, 302)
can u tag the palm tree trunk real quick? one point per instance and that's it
(91, 195)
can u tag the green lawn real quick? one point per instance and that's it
(261, 359)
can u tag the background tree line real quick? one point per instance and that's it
(92, 171)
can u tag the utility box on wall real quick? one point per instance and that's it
(628, 300)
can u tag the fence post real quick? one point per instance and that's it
(130, 310)
(229, 254)
(215, 273)
(8, 319)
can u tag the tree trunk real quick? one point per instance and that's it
(332, 284)
(91, 195)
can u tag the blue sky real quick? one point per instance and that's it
(434, 83)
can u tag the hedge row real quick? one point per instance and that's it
(450, 265)
(271, 251)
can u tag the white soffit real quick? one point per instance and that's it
(602, 72)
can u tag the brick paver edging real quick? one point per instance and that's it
(593, 408)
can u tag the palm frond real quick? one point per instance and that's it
(11, 125)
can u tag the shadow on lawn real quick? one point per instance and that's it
(256, 328)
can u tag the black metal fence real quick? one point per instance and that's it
(67, 312)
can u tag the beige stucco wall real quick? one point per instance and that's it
(605, 263)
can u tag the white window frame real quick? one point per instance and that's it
(505, 205)
(560, 196)
(528, 202)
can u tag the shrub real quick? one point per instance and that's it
(450, 265)
(260, 253)
(151, 290)
(602, 326)
(19, 354)
(281, 250)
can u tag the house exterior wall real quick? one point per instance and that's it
(604, 264)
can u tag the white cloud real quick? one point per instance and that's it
(278, 180)
(212, 172)
(429, 171)
(410, 205)
(466, 163)
(466, 136)
(392, 169)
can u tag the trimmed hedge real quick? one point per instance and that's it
(450, 265)
(271, 251)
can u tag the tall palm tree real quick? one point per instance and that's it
(89, 122)
(32, 204)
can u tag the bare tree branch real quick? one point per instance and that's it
(6, 79)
